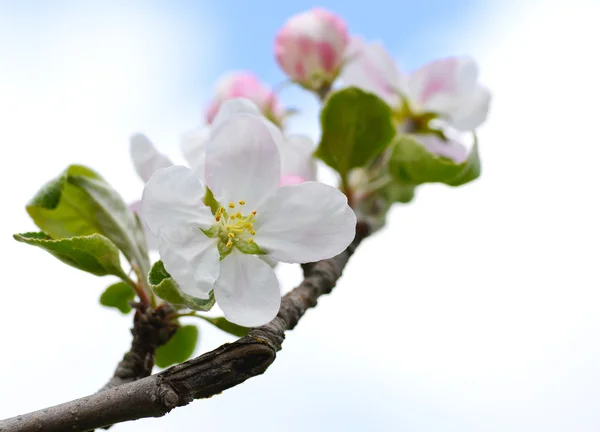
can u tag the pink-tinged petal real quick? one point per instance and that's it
(151, 239)
(242, 161)
(371, 68)
(297, 157)
(442, 86)
(291, 180)
(305, 223)
(473, 112)
(242, 84)
(310, 47)
(146, 159)
(172, 204)
(193, 263)
(193, 147)
(450, 149)
(247, 290)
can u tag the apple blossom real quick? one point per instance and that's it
(243, 84)
(220, 251)
(296, 151)
(146, 160)
(310, 48)
(447, 87)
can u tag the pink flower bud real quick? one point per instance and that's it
(243, 84)
(310, 48)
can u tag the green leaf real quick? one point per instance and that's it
(118, 296)
(412, 164)
(397, 192)
(93, 253)
(226, 326)
(356, 126)
(167, 289)
(180, 347)
(79, 203)
(210, 201)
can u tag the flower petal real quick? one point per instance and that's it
(235, 106)
(192, 262)
(247, 290)
(443, 86)
(473, 112)
(242, 161)
(172, 204)
(371, 68)
(151, 239)
(146, 159)
(297, 157)
(193, 146)
(305, 223)
(450, 149)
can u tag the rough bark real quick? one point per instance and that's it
(202, 377)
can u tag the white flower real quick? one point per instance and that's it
(205, 251)
(448, 87)
(296, 151)
(146, 160)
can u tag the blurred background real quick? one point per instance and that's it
(476, 309)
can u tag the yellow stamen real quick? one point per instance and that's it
(231, 205)
(231, 235)
(253, 232)
(250, 240)
(238, 215)
(229, 244)
(242, 202)
(254, 212)
(232, 217)
(218, 217)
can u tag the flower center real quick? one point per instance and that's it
(234, 227)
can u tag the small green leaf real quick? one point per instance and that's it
(180, 347)
(226, 326)
(93, 253)
(412, 164)
(80, 203)
(249, 248)
(210, 201)
(356, 126)
(118, 296)
(397, 192)
(167, 289)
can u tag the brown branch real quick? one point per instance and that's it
(151, 329)
(202, 377)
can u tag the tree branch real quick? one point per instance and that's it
(204, 376)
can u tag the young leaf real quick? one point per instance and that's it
(165, 287)
(412, 163)
(179, 348)
(226, 326)
(93, 253)
(79, 203)
(118, 296)
(356, 126)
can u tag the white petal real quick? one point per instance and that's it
(297, 157)
(172, 203)
(450, 149)
(242, 161)
(473, 112)
(151, 239)
(305, 223)
(193, 263)
(371, 68)
(146, 159)
(442, 86)
(247, 290)
(235, 106)
(193, 146)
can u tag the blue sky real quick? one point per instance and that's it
(474, 310)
